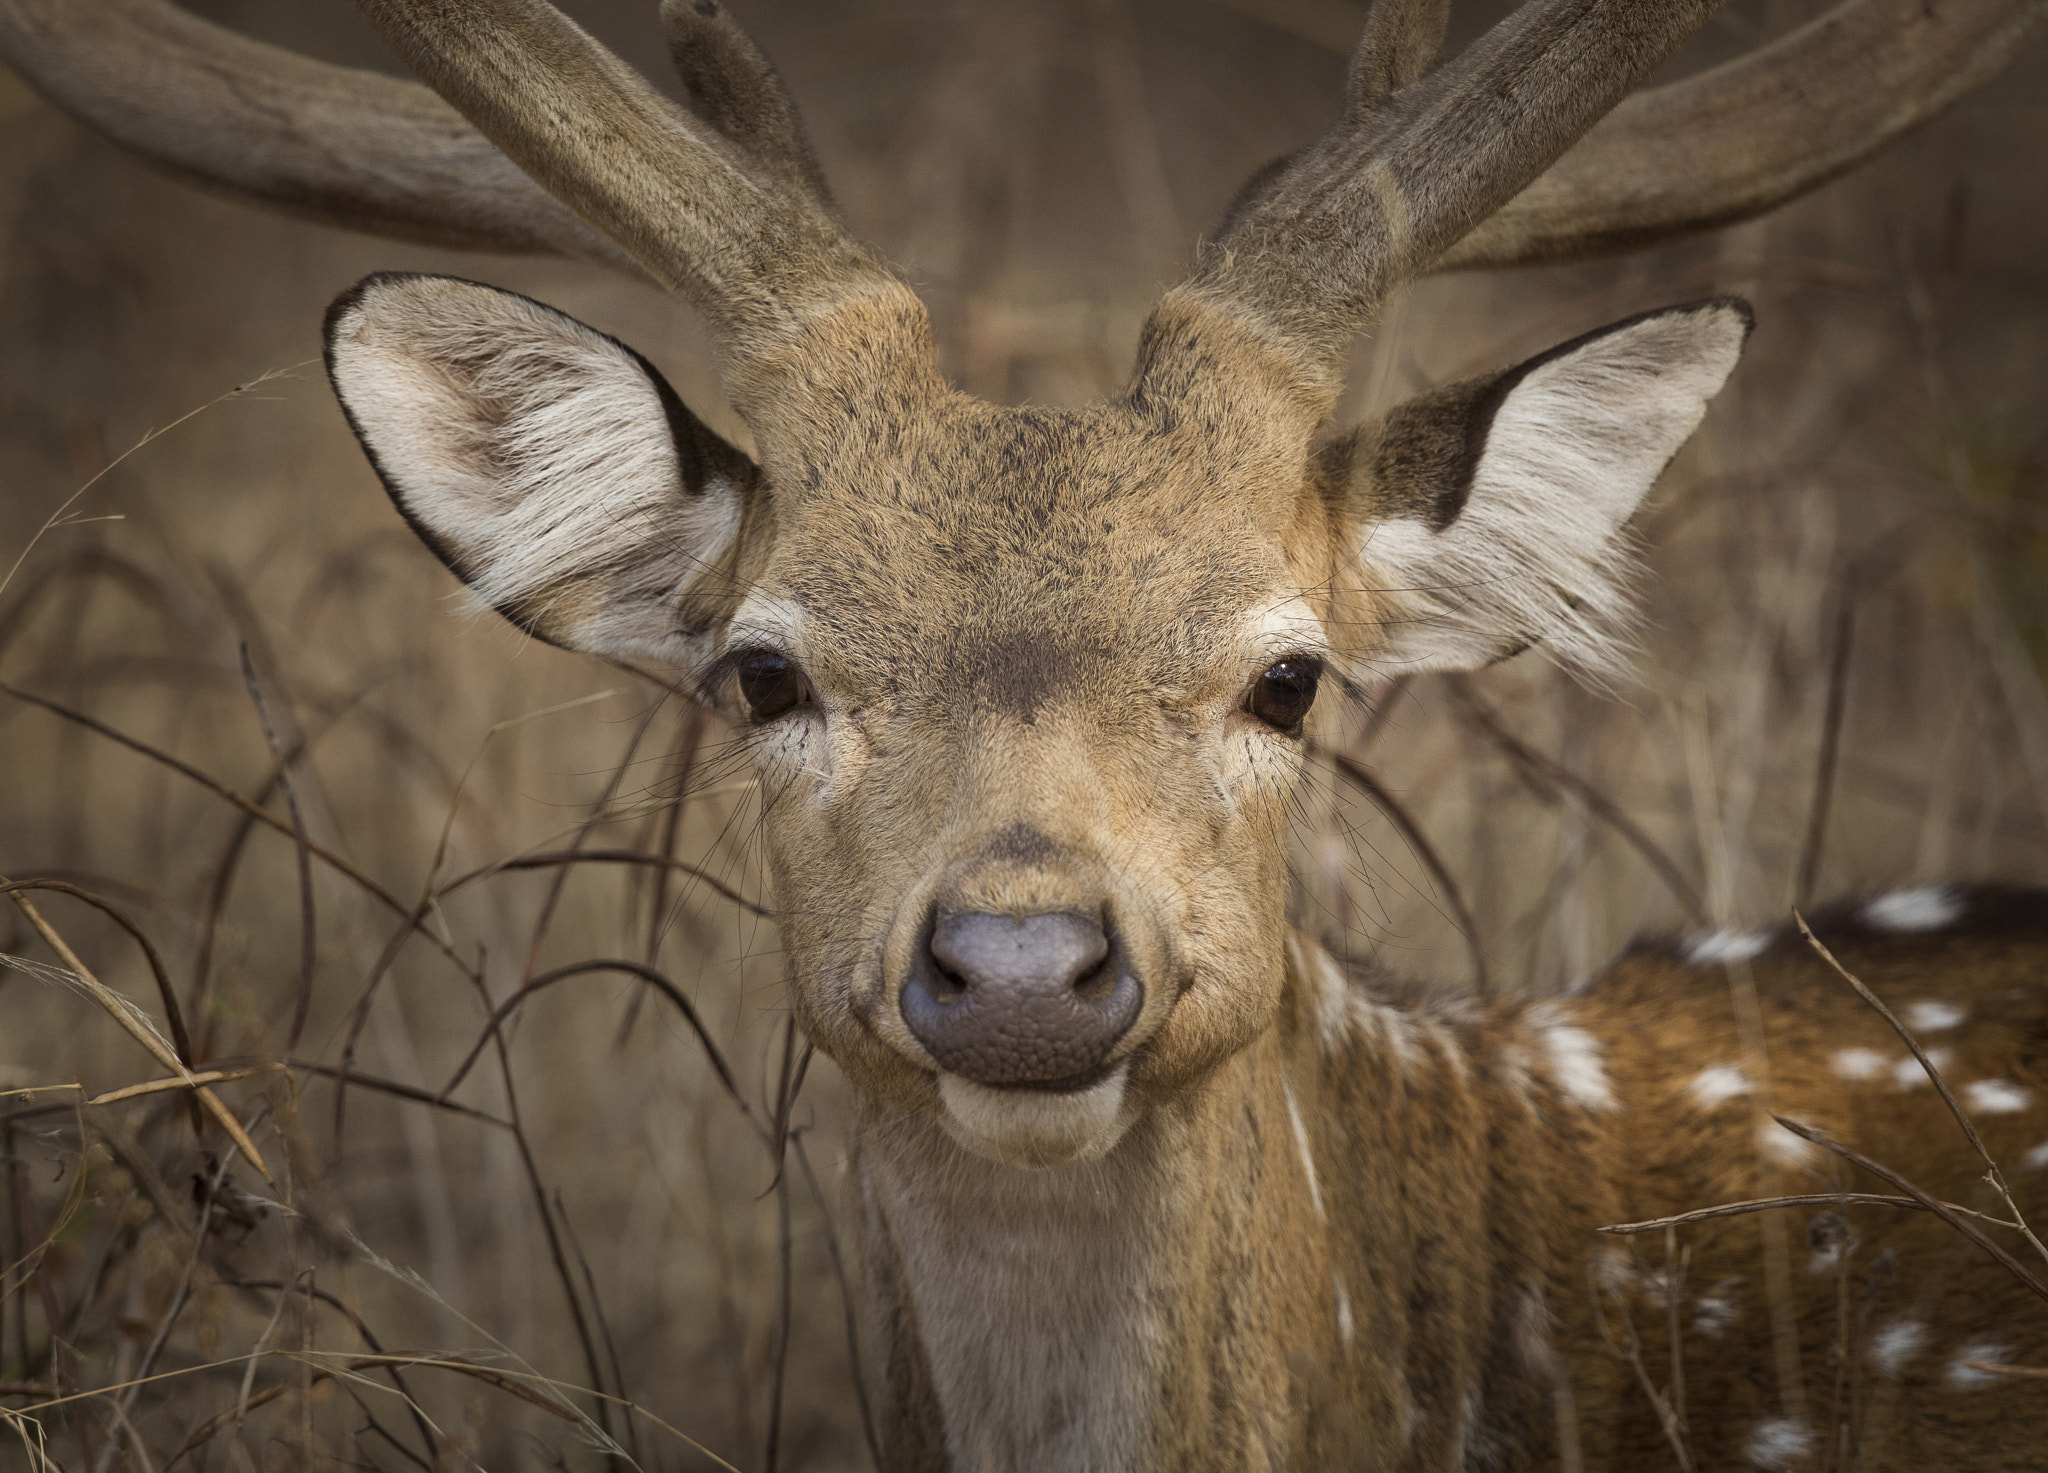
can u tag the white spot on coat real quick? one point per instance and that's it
(1996, 1097)
(1346, 1325)
(1963, 1376)
(1931, 1016)
(1793, 1152)
(2036, 1158)
(1908, 1073)
(1724, 946)
(1573, 1057)
(1715, 1310)
(1897, 1344)
(1927, 909)
(1778, 1442)
(1860, 1063)
(1308, 1164)
(1718, 1084)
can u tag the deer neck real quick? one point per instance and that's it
(1294, 1258)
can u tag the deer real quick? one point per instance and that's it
(1143, 1176)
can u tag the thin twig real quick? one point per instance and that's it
(604, 1327)
(123, 1013)
(1991, 1172)
(785, 1096)
(1549, 778)
(302, 1001)
(1769, 1204)
(254, 810)
(647, 974)
(1830, 746)
(1361, 777)
(174, 1016)
(1940, 1209)
(853, 1351)
(553, 858)
(208, 1429)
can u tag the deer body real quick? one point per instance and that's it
(1144, 1180)
(1371, 1240)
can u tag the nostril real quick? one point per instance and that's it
(1057, 949)
(1036, 999)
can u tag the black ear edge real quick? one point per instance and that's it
(701, 452)
(1412, 451)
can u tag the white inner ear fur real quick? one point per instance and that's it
(537, 453)
(1538, 554)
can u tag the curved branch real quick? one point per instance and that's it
(646, 974)
(550, 858)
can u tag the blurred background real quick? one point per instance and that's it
(1840, 690)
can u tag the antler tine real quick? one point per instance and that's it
(735, 89)
(343, 147)
(1402, 41)
(804, 314)
(1300, 270)
(1745, 137)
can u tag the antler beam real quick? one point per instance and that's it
(1303, 263)
(332, 144)
(1745, 137)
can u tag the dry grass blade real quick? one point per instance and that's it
(1998, 1368)
(190, 1081)
(174, 1016)
(302, 1000)
(846, 1303)
(57, 518)
(1808, 1199)
(552, 858)
(400, 1091)
(122, 1013)
(647, 974)
(1360, 777)
(1550, 779)
(1991, 1171)
(208, 1429)
(254, 810)
(1830, 746)
(1940, 1209)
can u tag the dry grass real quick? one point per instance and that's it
(400, 847)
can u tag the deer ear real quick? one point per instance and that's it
(551, 467)
(1488, 514)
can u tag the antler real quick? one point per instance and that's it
(805, 315)
(1437, 172)
(329, 143)
(725, 206)
(1305, 259)
(1745, 137)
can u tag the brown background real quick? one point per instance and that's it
(1040, 170)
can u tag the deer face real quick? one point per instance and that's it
(1027, 690)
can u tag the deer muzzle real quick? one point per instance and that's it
(1033, 1000)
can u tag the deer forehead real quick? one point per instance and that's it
(1035, 554)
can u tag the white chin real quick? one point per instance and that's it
(1033, 1127)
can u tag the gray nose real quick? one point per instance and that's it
(1037, 999)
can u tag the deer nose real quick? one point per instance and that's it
(1022, 1000)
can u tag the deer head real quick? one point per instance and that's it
(1027, 690)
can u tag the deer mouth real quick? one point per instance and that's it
(1040, 1125)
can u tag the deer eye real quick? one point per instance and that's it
(1281, 695)
(772, 684)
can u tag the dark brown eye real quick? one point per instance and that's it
(1282, 695)
(771, 684)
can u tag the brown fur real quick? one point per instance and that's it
(1295, 1221)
